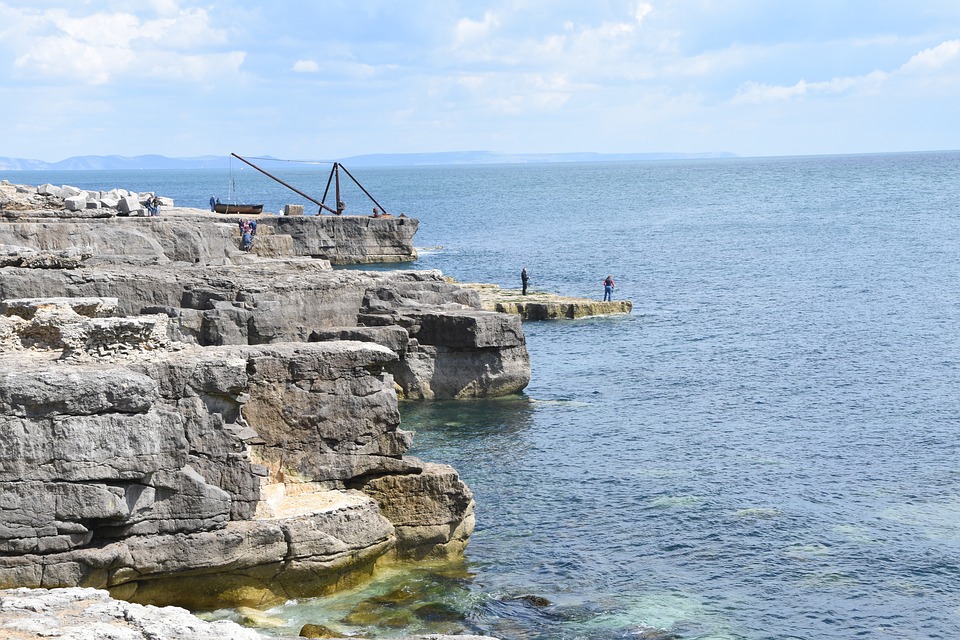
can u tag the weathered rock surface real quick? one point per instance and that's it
(447, 347)
(184, 424)
(453, 352)
(186, 265)
(91, 614)
(210, 476)
(197, 237)
(432, 510)
(538, 305)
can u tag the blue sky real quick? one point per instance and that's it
(329, 79)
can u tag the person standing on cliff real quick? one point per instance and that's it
(523, 279)
(608, 286)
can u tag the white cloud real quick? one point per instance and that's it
(754, 92)
(579, 49)
(195, 69)
(933, 59)
(468, 31)
(340, 69)
(102, 47)
(623, 74)
(643, 10)
(184, 29)
(505, 94)
(931, 62)
(306, 66)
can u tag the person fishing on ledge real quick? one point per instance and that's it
(523, 279)
(608, 286)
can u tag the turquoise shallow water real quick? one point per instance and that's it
(766, 448)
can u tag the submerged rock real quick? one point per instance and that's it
(438, 612)
(317, 631)
(533, 601)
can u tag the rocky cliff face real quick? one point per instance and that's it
(184, 423)
(180, 235)
(446, 346)
(176, 474)
(41, 219)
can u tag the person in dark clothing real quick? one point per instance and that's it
(523, 279)
(608, 286)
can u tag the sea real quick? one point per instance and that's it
(767, 447)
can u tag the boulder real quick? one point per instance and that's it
(129, 205)
(75, 203)
(431, 510)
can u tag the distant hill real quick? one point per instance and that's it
(490, 157)
(82, 163)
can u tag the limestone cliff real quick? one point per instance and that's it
(113, 227)
(175, 474)
(187, 264)
(185, 423)
(446, 346)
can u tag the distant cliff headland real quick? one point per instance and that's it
(154, 162)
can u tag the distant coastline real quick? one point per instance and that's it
(153, 162)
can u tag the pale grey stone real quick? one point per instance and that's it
(91, 614)
(75, 203)
(129, 205)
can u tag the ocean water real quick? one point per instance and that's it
(766, 448)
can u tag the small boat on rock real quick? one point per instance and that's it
(242, 209)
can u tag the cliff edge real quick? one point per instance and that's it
(183, 422)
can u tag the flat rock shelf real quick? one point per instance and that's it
(539, 305)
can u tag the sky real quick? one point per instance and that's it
(324, 79)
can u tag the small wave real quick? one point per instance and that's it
(758, 512)
(676, 501)
(561, 402)
(805, 551)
